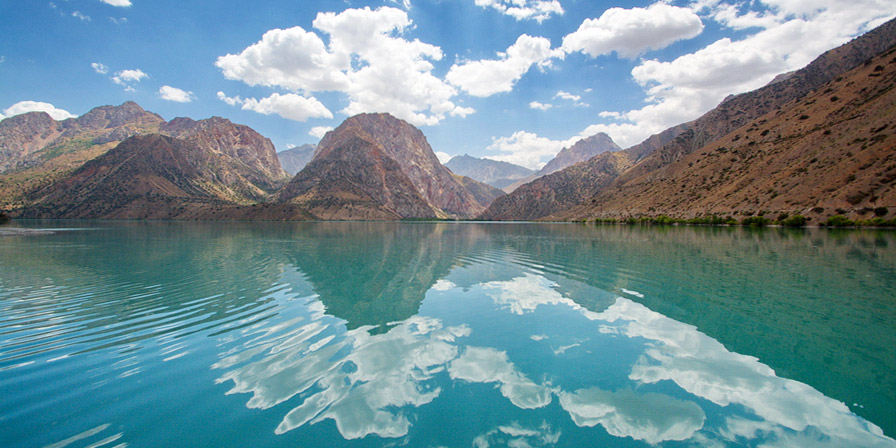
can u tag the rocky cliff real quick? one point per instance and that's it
(353, 178)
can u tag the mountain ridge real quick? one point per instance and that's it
(575, 185)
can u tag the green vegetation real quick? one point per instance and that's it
(755, 221)
(793, 221)
(839, 221)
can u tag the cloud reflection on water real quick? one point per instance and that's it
(369, 383)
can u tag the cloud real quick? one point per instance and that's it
(539, 106)
(527, 149)
(487, 365)
(789, 36)
(444, 157)
(128, 78)
(79, 15)
(404, 3)
(293, 58)
(36, 106)
(174, 94)
(289, 106)
(99, 68)
(516, 435)
(366, 59)
(539, 10)
(319, 131)
(576, 99)
(119, 3)
(630, 32)
(567, 96)
(490, 76)
(650, 417)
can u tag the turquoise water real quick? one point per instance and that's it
(445, 334)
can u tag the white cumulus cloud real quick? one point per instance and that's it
(490, 76)
(290, 106)
(129, 77)
(119, 3)
(319, 131)
(366, 58)
(630, 32)
(539, 106)
(444, 157)
(36, 106)
(174, 94)
(538, 10)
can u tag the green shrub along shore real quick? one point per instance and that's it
(783, 220)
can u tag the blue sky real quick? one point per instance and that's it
(513, 80)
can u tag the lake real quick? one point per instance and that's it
(149, 334)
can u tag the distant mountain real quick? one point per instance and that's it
(590, 183)
(495, 173)
(580, 151)
(484, 193)
(375, 166)
(294, 159)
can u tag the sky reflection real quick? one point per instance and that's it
(682, 386)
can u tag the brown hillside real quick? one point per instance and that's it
(408, 146)
(830, 152)
(733, 113)
(352, 178)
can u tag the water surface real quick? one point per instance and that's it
(446, 334)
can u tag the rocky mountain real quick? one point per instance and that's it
(483, 193)
(830, 152)
(32, 138)
(294, 159)
(229, 163)
(36, 150)
(573, 185)
(580, 151)
(150, 177)
(590, 183)
(368, 135)
(353, 178)
(249, 161)
(495, 173)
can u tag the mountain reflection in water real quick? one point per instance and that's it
(445, 334)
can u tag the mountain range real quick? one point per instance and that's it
(493, 172)
(815, 142)
(122, 162)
